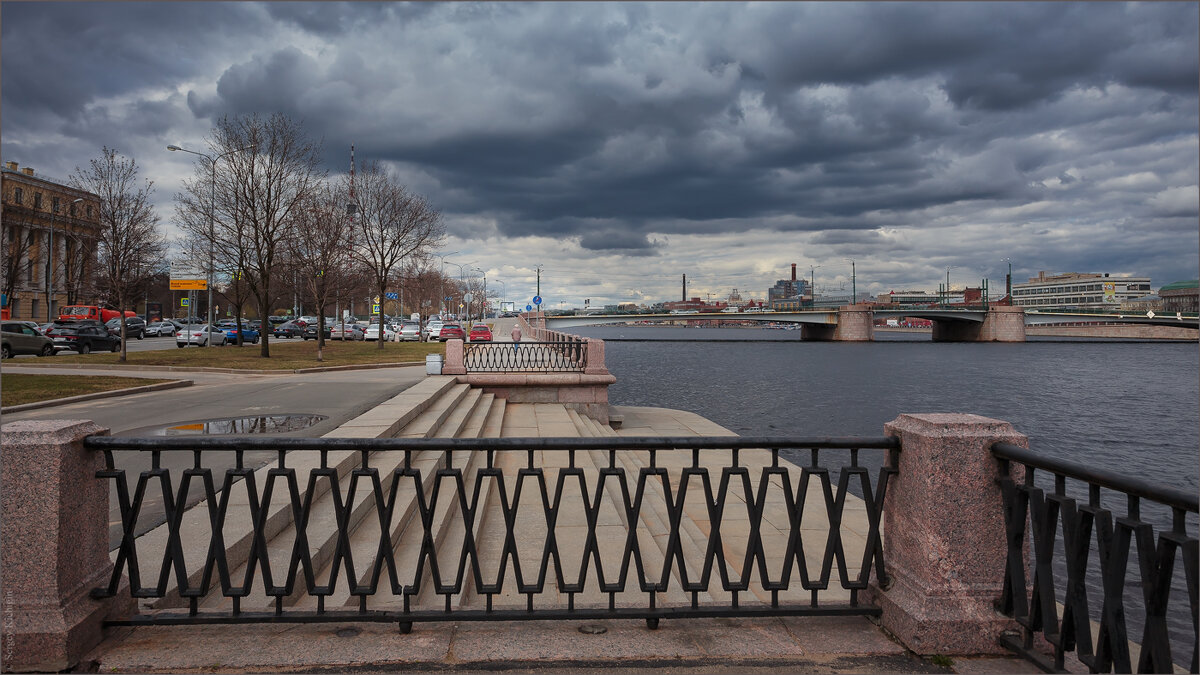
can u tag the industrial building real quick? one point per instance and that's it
(1078, 291)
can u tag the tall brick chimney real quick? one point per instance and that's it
(793, 271)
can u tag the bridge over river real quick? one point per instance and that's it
(856, 322)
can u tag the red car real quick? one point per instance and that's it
(481, 333)
(451, 331)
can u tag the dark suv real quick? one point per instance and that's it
(135, 327)
(85, 338)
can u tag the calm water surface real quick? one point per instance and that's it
(1131, 407)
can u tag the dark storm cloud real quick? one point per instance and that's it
(608, 123)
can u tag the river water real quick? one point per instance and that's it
(1130, 407)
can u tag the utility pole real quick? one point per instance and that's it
(812, 284)
(853, 283)
(1008, 280)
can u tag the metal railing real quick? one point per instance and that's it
(563, 355)
(771, 539)
(1094, 556)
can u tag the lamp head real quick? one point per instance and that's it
(173, 148)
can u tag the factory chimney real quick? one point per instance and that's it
(684, 298)
(793, 271)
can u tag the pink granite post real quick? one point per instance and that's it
(595, 358)
(944, 537)
(54, 537)
(454, 364)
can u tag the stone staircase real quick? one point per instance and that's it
(439, 407)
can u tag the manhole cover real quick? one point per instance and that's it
(258, 424)
(592, 629)
(348, 632)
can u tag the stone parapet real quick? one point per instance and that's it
(945, 536)
(54, 537)
(585, 393)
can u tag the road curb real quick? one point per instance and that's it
(205, 369)
(176, 384)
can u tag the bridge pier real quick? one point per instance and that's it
(1000, 324)
(856, 323)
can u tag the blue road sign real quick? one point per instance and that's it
(392, 296)
(537, 299)
(528, 308)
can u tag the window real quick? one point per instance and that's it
(18, 195)
(54, 204)
(37, 200)
(89, 210)
(71, 209)
(33, 308)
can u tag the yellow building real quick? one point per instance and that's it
(49, 232)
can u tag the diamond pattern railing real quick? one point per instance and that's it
(670, 527)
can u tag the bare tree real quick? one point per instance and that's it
(130, 245)
(18, 261)
(267, 168)
(393, 224)
(322, 249)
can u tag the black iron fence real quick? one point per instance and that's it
(1084, 573)
(403, 530)
(568, 354)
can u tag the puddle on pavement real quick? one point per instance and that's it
(257, 424)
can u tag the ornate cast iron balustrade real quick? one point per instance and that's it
(566, 355)
(1090, 529)
(499, 529)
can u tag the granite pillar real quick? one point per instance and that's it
(455, 364)
(944, 540)
(54, 537)
(855, 324)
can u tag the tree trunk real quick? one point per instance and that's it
(264, 303)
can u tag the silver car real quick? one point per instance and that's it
(410, 331)
(19, 338)
(160, 329)
(199, 335)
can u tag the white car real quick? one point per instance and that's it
(431, 330)
(160, 328)
(410, 331)
(373, 332)
(200, 335)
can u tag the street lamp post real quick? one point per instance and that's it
(1008, 280)
(50, 265)
(460, 269)
(212, 224)
(503, 291)
(948, 268)
(853, 282)
(442, 274)
(812, 285)
(483, 305)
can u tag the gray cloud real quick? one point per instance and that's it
(606, 126)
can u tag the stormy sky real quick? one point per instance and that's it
(621, 145)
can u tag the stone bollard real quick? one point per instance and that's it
(944, 536)
(454, 364)
(54, 537)
(595, 357)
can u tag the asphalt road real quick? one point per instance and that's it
(338, 395)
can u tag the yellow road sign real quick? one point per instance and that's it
(189, 285)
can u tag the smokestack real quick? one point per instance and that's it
(793, 271)
(684, 298)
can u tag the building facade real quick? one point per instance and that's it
(1078, 291)
(50, 233)
(1181, 296)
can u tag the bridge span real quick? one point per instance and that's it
(856, 322)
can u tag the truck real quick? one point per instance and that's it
(92, 312)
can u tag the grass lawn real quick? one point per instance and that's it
(285, 355)
(17, 389)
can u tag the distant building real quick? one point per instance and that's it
(695, 304)
(49, 243)
(908, 298)
(1181, 296)
(1078, 291)
(788, 294)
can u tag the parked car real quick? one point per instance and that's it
(373, 331)
(161, 329)
(410, 331)
(451, 331)
(481, 333)
(349, 331)
(432, 329)
(248, 335)
(135, 327)
(19, 338)
(310, 331)
(200, 335)
(288, 329)
(85, 337)
(44, 328)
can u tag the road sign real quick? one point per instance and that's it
(392, 296)
(537, 299)
(468, 297)
(376, 300)
(528, 307)
(183, 302)
(189, 285)
(1150, 314)
(375, 308)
